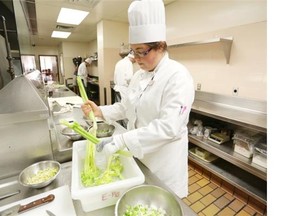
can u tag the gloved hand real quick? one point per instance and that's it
(104, 141)
(114, 146)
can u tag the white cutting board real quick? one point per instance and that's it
(62, 205)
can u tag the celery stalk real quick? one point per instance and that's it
(85, 98)
(80, 130)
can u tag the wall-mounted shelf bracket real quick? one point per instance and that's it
(226, 44)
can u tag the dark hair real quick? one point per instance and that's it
(158, 45)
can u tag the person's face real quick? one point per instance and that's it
(146, 57)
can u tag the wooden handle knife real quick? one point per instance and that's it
(36, 203)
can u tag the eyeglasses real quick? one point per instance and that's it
(140, 54)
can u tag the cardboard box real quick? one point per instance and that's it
(101, 196)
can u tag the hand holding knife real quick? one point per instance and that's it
(18, 209)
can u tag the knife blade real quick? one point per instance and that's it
(17, 209)
(50, 213)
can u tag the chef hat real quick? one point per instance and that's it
(88, 60)
(146, 21)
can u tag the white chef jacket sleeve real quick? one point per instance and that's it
(112, 113)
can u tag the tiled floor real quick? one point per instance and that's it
(209, 195)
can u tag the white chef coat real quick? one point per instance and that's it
(83, 72)
(122, 75)
(157, 107)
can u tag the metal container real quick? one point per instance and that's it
(24, 127)
(71, 133)
(104, 130)
(35, 170)
(149, 196)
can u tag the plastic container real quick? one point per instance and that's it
(244, 142)
(101, 196)
(260, 155)
(202, 153)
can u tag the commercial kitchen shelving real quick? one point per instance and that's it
(231, 166)
(226, 44)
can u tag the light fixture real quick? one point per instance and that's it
(71, 16)
(60, 34)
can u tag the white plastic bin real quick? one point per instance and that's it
(101, 196)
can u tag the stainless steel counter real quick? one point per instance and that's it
(62, 148)
(64, 178)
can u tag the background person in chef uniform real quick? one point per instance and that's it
(83, 71)
(159, 99)
(123, 73)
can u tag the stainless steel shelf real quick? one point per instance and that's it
(236, 113)
(226, 44)
(237, 177)
(226, 152)
(243, 112)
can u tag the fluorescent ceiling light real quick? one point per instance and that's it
(60, 34)
(71, 16)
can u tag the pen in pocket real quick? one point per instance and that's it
(182, 109)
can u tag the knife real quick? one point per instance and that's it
(50, 213)
(17, 209)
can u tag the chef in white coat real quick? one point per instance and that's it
(123, 73)
(158, 103)
(83, 71)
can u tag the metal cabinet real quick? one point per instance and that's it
(235, 113)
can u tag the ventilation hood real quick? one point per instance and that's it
(21, 102)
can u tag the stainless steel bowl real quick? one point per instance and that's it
(89, 122)
(104, 130)
(39, 170)
(151, 196)
(71, 133)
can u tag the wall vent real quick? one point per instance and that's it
(63, 27)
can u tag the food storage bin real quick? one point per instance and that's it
(244, 142)
(101, 196)
(260, 154)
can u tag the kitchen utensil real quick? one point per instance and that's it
(150, 196)
(71, 133)
(35, 169)
(17, 209)
(50, 213)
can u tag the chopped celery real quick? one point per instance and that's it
(91, 174)
(42, 175)
(94, 177)
(144, 210)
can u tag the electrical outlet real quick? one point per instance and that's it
(235, 91)
(198, 86)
